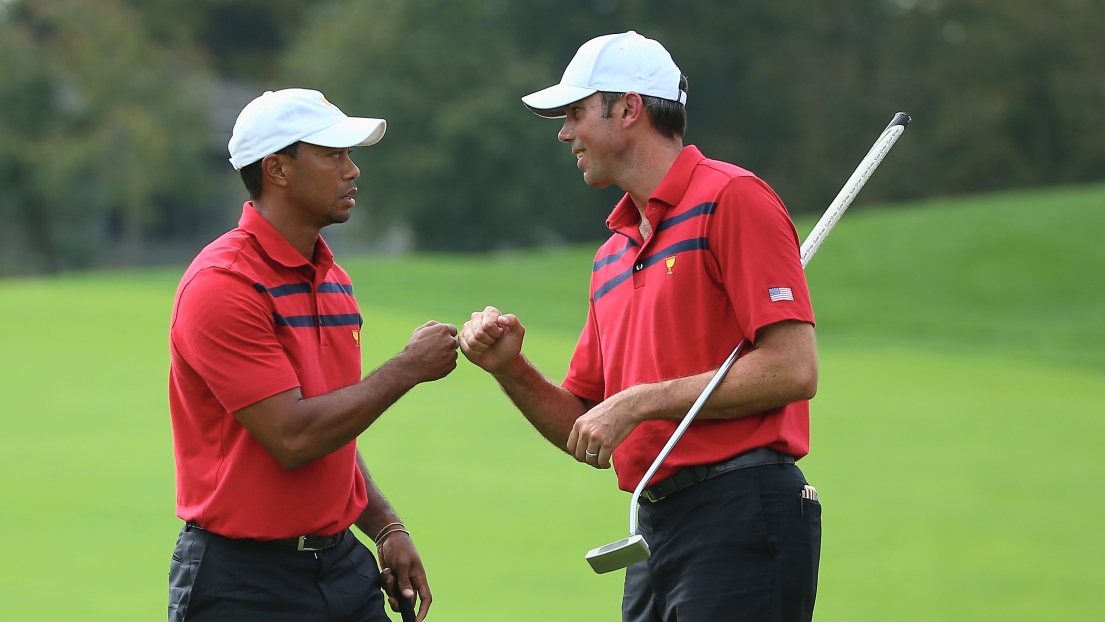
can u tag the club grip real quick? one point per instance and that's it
(900, 118)
(406, 608)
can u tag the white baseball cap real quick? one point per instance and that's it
(277, 119)
(616, 63)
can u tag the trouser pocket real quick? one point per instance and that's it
(182, 572)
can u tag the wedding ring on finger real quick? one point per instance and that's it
(590, 456)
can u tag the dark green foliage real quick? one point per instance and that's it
(108, 148)
(241, 39)
(102, 136)
(463, 161)
(1003, 95)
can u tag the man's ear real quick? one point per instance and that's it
(633, 108)
(274, 169)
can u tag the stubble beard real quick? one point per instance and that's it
(337, 217)
(597, 177)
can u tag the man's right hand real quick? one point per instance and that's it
(432, 350)
(492, 340)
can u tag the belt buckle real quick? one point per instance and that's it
(660, 490)
(318, 543)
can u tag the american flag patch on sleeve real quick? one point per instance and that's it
(780, 293)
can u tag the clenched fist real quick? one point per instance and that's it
(492, 340)
(432, 350)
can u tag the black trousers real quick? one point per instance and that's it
(740, 546)
(217, 578)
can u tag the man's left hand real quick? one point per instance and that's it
(602, 428)
(403, 573)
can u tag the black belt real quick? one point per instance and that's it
(689, 476)
(301, 543)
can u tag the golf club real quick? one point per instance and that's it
(406, 608)
(634, 549)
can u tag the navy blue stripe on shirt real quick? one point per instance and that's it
(609, 259)
(330, 287)
(699, 210)
(344, 319)
(308, 321)
(295, 321)
(692, 244)
(284, 290)
(612, 283)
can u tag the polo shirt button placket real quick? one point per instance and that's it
(638, 275)
(309, 273)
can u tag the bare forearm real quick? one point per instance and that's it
(401, 569)
(297, 430)
(550, 408)
(325, 423)
(378, 513)
(493, 341)
(783, 370)
(740, 394)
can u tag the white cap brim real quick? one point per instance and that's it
(550, 102)
(349, 132)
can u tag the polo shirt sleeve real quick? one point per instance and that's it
(585, 376)
(756, 247)
(224, 330)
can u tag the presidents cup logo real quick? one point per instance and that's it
(670, 263)
(356, 337)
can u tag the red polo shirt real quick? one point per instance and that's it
(721, 263)
(253, 318)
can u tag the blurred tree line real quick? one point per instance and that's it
(114, 114)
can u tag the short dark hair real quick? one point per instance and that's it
(251, 173)
(669, 117)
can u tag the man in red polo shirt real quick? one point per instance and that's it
(266, 394)
(702, 254)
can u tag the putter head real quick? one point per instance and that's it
(620, 554)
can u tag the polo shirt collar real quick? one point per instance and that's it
(670, 191)
(675, 183)
(276, 246)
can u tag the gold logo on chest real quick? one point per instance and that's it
(670, 263)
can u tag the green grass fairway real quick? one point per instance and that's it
(1008, 273)
(954, 434)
